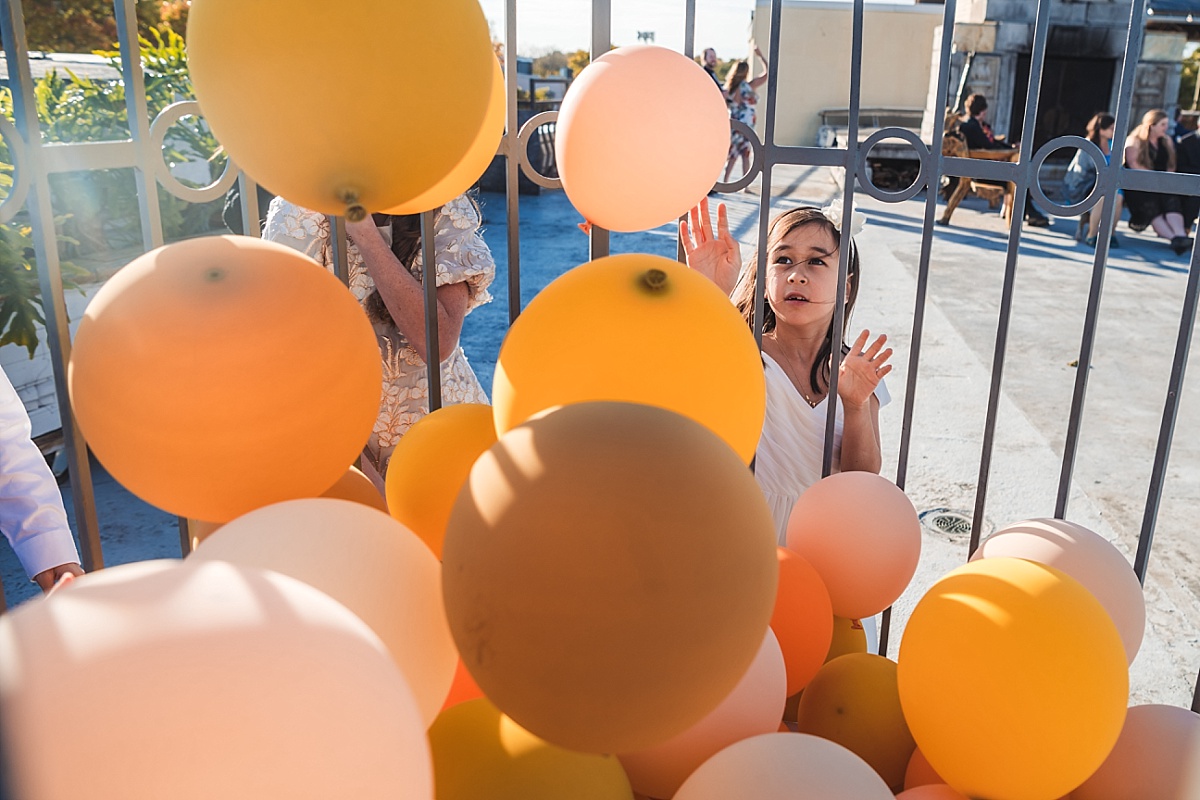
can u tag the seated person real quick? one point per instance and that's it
(979, 136)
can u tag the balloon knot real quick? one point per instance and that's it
(215, 274)
(654, 279)
(355, 211)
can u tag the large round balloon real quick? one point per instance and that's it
(1088, 558)
(479, 753)
(383, 142)
(1157, 755)
(932, 791)
(753, 707)
(154, 680)
(803, 619)
(477, 159)
(430, 464)
(609, 573)
(853, 701)
(919, 772)
(217, 375)
(638, 328)
(1013, 679)
(861, 533)
(778, 766)
(642, 136)
(364, 559)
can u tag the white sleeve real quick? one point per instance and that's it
(32, 516)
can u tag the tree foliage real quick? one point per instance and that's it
(1187, 80)
(81, 26)
(577, 61)
(550, 64)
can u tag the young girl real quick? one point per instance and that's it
(1081, 173)
(803, 247)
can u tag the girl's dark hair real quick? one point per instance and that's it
(1100, 122)
(743, 293)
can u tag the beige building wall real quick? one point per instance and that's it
(814, 45)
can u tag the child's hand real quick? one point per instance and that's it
(717, 258)
(862, 369)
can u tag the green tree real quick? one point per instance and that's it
(550, 64)
(1187, 81)
(577, 61)
(81, 26)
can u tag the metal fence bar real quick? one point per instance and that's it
(512, 165)
(599, 241)
(433, 353)
(139, 123)
(58, 334)
(768, 160)
(1023, 178)
(689, 50)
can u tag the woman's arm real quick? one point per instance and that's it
(761, 79)
(1132, 158)
(404, 295)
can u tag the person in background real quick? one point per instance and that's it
(979, 136)
(1081, 174)
(708, 60)
(1149, 147)
(32, 515)
(742, 99)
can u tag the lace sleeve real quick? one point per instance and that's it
(299, 229)
(461, 254)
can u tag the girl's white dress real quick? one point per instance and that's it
(788, 459)
(461, 256)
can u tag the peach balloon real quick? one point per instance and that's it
(480, 753)
(365, 560)
(1013, 679)
(776, 766)
(861, 533)
(431, 463)
(156, 680)
(373, 157)
(802, 620)
(356, 487)
(1157, 755)
(592, 583)
(919, 772)
(753, 707)
(642, 136)
(477, 159)
(932, 791)
(204, 386)
(854, 701)
(664, 327)
(1088, 558)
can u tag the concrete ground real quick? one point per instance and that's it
(1138, 321)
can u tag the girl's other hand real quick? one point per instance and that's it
(718, 258)
(862, 369)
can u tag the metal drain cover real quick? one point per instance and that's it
(946, 522)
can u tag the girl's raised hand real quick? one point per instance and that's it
(718, 258)
(862, 369)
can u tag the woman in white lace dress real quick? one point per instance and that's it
(386, 268)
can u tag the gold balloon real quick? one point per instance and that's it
(609, 573)
(641, 329)
(339, 108)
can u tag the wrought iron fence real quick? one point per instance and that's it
(35, 162)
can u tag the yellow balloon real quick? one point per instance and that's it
(480, 753)
(1013, 680)
(640, 329)
(848, 637)
(853, 701)
(155, 680)
(262, 72)
(430, 465)
(473, 164)
(366, 561)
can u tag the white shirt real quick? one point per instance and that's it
(32, 515)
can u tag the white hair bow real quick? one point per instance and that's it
(833, 213)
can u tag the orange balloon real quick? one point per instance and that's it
(1013, 679)
(919, 772)
(1157, 755)
(803, 619)
(932, 791)
(861, 533)
(431, 463)
(753, 707)
(1088, 558)
(463, 688)
(477, 159)
(777, 766)
(589, 568)
(203, 385)
(478, 752)
(363, 60)
(674, 159)
(365, 560)
(853, 701)
(658, 347)
(356, 487)
(199, 681)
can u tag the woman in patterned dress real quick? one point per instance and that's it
(386, 269)
(740, 94)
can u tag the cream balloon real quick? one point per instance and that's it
(364, 559)
(153, 680)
